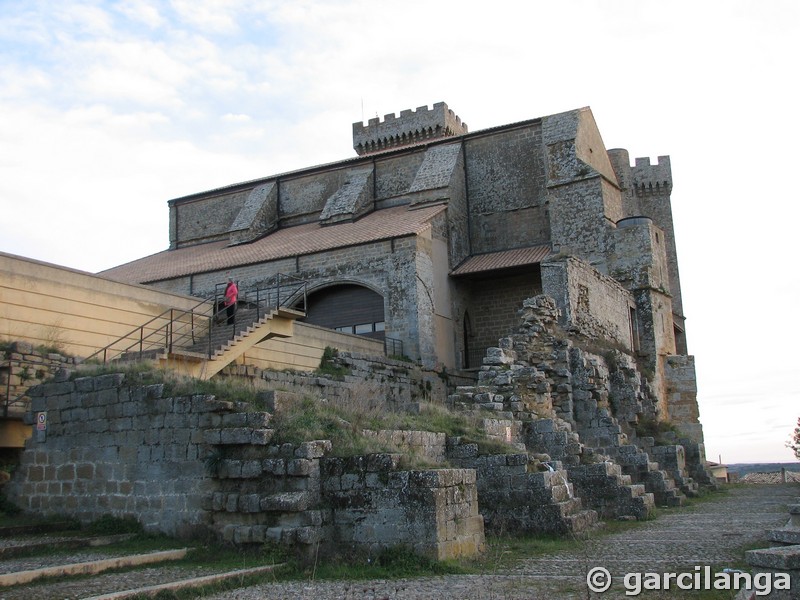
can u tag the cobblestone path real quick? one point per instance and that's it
(685, 540)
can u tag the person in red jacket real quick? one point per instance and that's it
(231, 297)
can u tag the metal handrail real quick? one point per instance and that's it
(392, 346)
(183, 329)
(148, 336)
(279, 292)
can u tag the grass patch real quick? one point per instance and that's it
(345, 423)
(109, 525)
(505, 550)
(329, 365)
(148, 373)
(311, 419)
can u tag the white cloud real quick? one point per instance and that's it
(142, 11)
(110, 109)
(215, 16)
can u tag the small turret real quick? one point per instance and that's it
(649, 179)
(412, 127)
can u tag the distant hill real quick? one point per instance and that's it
(745, 468)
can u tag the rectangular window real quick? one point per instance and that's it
(363, 328)
(380, 326)
(634, 325)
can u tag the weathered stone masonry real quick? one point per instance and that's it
(187, 465)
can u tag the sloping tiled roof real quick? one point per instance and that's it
(283, 243)
(502, 260)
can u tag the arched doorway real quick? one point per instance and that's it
(348, 308)
(469, 360)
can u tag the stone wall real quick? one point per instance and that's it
(592, 305)
(22, 367)
(382, 382)
(102, 447)
(492, 310)
(583, 409)
(189, 465)
(433, 512)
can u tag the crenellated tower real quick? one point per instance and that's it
(646, 190)
(411, 127)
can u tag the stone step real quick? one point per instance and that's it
(186, 584)
(229, 436)
(51, 527)
(582, 521)
(30, 546)
(570, 507)
(283, 502)
(91, 567)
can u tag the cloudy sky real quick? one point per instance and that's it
(109, 109)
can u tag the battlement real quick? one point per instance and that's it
(411, 127)
(651, 179)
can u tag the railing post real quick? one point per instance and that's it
(8, 391)
(168, 333)
(210, 326)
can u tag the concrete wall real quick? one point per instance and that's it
(303, 351)
(77, 312)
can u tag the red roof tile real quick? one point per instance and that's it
(502, 260)
(283, 243)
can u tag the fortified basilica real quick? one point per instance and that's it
(523, 275)
(433, 236)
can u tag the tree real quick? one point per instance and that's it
(794, 441)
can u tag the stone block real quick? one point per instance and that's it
(249, 503)
(235, 436)
(299, 467)
(234, 420)
(275, 466)
(308, 535)
(286, 502)
(251, 468)
(315, 449)
(261, 437)
(783, 558)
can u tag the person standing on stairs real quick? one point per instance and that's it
(231, 297)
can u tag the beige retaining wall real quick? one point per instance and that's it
(79, 313)
(74, 311)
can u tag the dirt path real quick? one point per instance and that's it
(710, 533)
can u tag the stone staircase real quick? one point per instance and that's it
(205, 358)
(200, 343)
(266, 492)
(611, 493)
(638, 465)
(515, 497)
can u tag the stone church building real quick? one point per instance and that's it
(434, 235)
